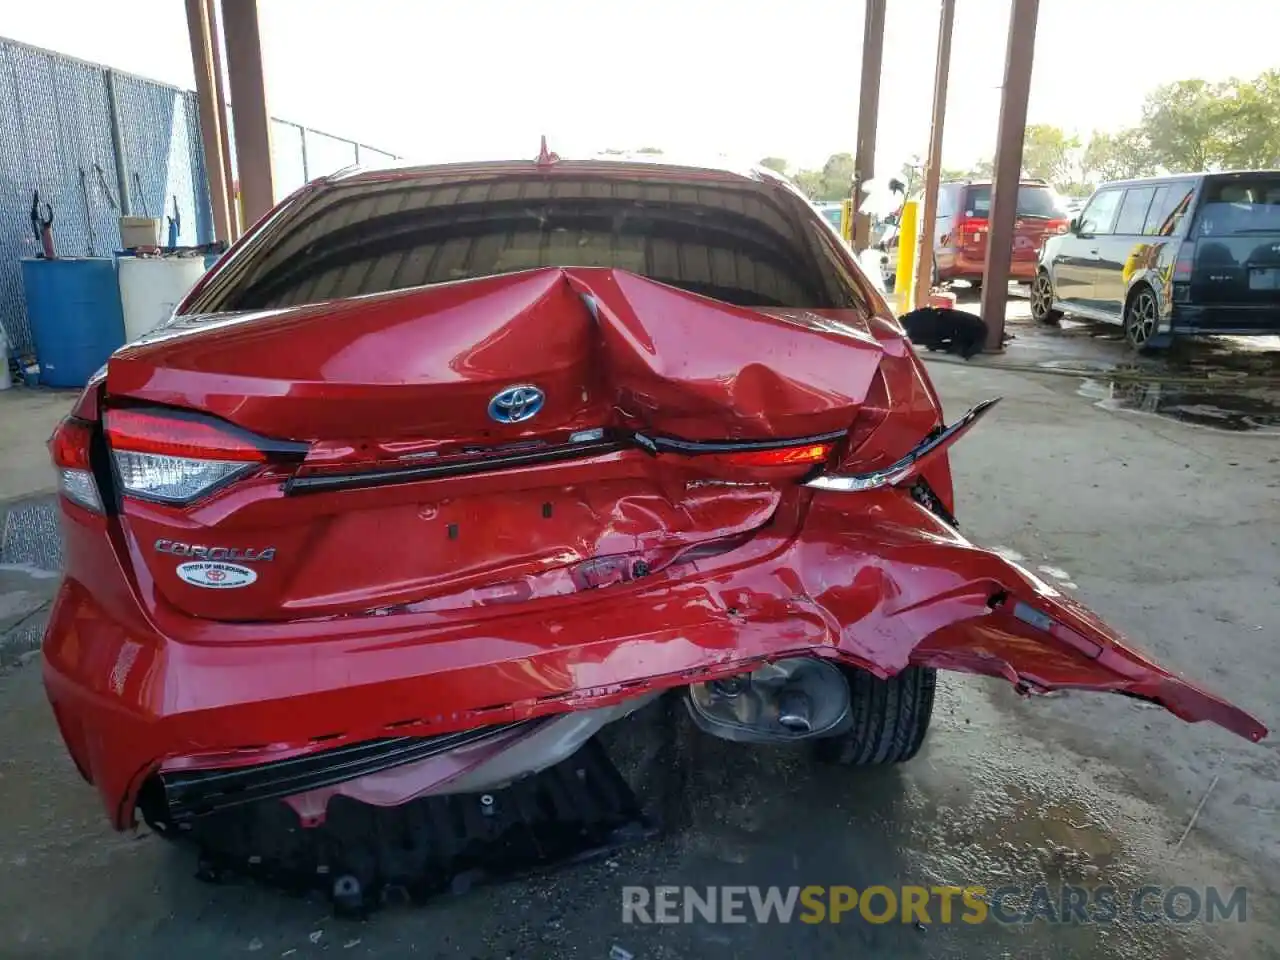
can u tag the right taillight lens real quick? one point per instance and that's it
(176, 457)
(69, 448)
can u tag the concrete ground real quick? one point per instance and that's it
(1168, 528)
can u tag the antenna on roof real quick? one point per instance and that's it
(545, 156)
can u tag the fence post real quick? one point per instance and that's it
(117, 145)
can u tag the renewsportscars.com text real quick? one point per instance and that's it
(932, 904)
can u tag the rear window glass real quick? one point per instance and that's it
(1241, 205)
(1032, 202)
(741, 242)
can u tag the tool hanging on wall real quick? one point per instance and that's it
(175, 224)
(106, 190)
(42, 226)
(91, 248)
(142, 197)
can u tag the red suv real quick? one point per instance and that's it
(441, 469)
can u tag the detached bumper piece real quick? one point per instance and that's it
(362, 855)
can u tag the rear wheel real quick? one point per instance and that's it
(1141, 316)
(1042, 300)
(889, 718)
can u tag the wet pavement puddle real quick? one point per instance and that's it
(1216, 405)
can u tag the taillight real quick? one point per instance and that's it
(69, 447)
(175, 457)
(1182, 269)
(1059, 226)
(971, 229)
(1182, 266)
(779, 463)
(805, 455)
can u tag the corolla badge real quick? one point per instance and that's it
(516, 403)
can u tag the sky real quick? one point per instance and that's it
(485, 78)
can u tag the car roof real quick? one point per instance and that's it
(1200, 175)
(621, 166)
(1022, 182)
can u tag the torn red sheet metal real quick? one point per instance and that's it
(882, 585)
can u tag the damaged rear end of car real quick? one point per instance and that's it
(443, 470)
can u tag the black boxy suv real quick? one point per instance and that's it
(1169, 256)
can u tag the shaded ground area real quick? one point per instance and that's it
(1169, 530)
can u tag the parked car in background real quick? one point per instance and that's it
(960, 232)
(1073, 205)
(831, 211)
(1170, 256)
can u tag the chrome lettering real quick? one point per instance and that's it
(241, 554)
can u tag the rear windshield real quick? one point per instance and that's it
(1241, 205)
(739, 241)
(1032, 202)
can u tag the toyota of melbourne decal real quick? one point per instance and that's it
(216, 568)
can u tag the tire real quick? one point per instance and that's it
(1042, 300)
(889, 718)
(1141, 317)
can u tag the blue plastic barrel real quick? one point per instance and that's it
(73, 307)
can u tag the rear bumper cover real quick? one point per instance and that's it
(1243, 321)
(971, 268)
(872, 579)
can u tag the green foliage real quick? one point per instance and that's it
(1047, 152)
(1194, 125)
(1117, 156)
(1187, 126)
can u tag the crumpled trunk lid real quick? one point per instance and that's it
(414, 491)
(604, 346)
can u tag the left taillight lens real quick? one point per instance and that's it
(69, 448)
(173, 456)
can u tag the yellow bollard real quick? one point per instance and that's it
(904, 283)
(846, 221)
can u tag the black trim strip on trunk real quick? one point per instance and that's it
(378, 478)
(355, 480)
(197, 792)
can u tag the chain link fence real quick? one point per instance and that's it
(97, 143)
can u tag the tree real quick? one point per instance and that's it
(776, 164)
(913, 174)
(1182, 122)
(983, 170)
(1117, 156)
(1194, 125)
(1047, 152)
(833, 182)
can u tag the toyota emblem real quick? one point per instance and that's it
(516, 403)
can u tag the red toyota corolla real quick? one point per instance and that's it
(441, 469)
